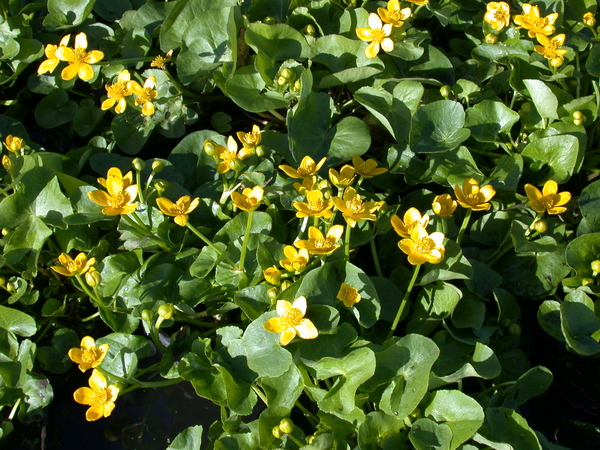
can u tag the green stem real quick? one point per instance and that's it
(125, 60)
(277, 115)
(532, 225)
(93, 316)
(204, 239)
(314, 420)
(138, 180)
(347, 242)
(13, 411)
(463, 226)
(261, 395)
(83, 285)
(493, 388)
(404, 300)
(246, 237)
(375, 256)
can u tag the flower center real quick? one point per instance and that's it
(472, 199)
(350, 295)
(116, 201)
(324, 243)
(90, 355)
(378, 36)
(501, 16)
(117, 90)
(79, 55)
(316, 205)
(100, 397)
(355, 206)
(73, 266)
(547, 202)
(292, 318)
(425, 245)
(306, 171)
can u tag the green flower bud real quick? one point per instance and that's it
(147, 315)
(5, 231)
(286, 426)
(158, 166)
(270, 20)
(276, 432)
(166, 310)
(506, 322)
(287, 73)
(27, 274)
(416, 414)
(445, 91)
(234, 165)
(540, 226)
(138, 164)
(514, 329)
(10, 286)
(260, 150)
(281, 81)
(93, 277)
(596, 267)
(285, 284)
(491, 38)
(587, 281)
(297, 85)
(310, 30)
(578, 115)
(210, 147)
(160, 185)
(2, 281)
(526, 107)
(578, 122)
(272, 293)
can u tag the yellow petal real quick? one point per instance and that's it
(75, 355)
(550, 187)
(274, 325)
(181, 219)
(97, 381)
(372, 50)
(99, 197)
(84, 395)
(81, 41)
(287, 336)
(533, 193)
(300, 304)
(69, 72)
(283, 307)
(306, 329)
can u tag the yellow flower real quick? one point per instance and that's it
(126, 180)
(309, 184)
(532, 21)
(6, 162)
(412, 217)
(377, 36)
(272, 275)
(100, 396)
(71, 267)
(230, 156)
(349, 295)
(473, 197)
(393, 14)
(549, 199)
(353, 208)
(315, 206)
(249, 199)
(444, 206)
(119, 198)
(117, 92)
(422, 247)
(160, 62)
(88, 356)
(291, 321)
(307, 168)
(589, 20)
(14, 144)
(79, 60)
(317, 244)
(419, 2)
(145, 94)
(251, 139)
(497, 15)
(343, 178)
(52, 60)
(367, 168)
(550, 48)
(296, 260)
(180, 209)
(93, 278)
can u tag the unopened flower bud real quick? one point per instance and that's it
(287, 73)
(10, 286)
(297, 85)
(6, 162)
(491, 38)
(578, 122)
(281, 81)
(596, 267)
(276, 432)
(166, 310)
(578, 115)
(514, 329)
(5, 231)
(310, 30)
(272, 275)
(416, 414)
(147, 315)
(234, 165)
(526, 107)
(2, 281)
(589, 20)
(557, 62)
(260, 150)
(445, 91)
(285, 284)
(210, 147)
(587, 281)
(506, 322)
(138, 164)
(272, 293)
(93, 277)
(540, 226)
(160, 185)
(158, 166)
(286, 426)
(270, 20)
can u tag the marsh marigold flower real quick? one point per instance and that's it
(79, 59)
(316, 205)
(349, 295)
(393, 14)
(317, 244)
(412, 217)
(144, 94)
(88, 356)
(251, 139)
(14, 144)
(307, 168)
(100, 396)
(180, 209)
(532, 21)
(272, 275)
(160, 62)
(377, 35)
(119, 199)
(230, 156)
(126, 180)
(117, 92)
(444, 206)
(249, 199)
(474, 197)
(497, 15)
(343, 178)
(71, 267)
(549, 200)
(52, 60)
(422, 247)
(310, 184)
(550, 48)
(419, 2)
(353, 208)
(367, 168)
(296, 260)
(589, 20)
(291, 321)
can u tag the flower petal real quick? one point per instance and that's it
(300, 304)
(274, 325)
(550, 187)
(287, 336)
(306, 329)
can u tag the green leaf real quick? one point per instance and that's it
(308, 126)
(283, 391)
(352, 370)
(579, 323)
(488, 119)
(507, 173)
(437, 300)
(560, 153)
(593, 61)
(349, 137)
(367, 310)
(581, 252)
(132, 130)
(67, 13)
(543, 98)
(589, 205)
(54, 358)
(380, 430)
(506, 425)
(55, 109)
(532, 383)
(438, 127)
(188, 439)
(454, 266)
(425, 434)
(29, 237)
(550, 320)
(460, 412)
(17, 322)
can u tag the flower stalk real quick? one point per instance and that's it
(404, 300)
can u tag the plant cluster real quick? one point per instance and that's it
(325, 216)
